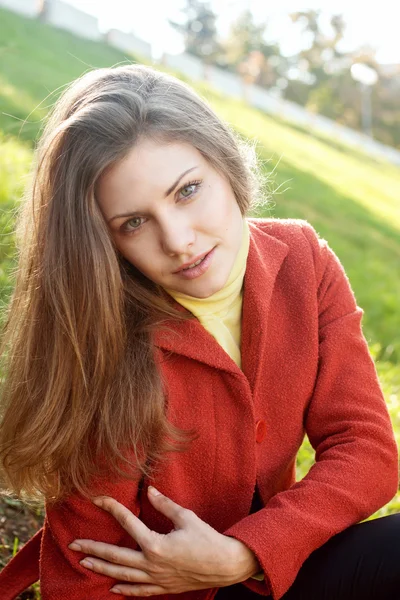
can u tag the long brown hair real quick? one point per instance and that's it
(81, 393)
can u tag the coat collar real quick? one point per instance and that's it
(189, 338)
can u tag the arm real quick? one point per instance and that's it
(61, 575)
(347, 422)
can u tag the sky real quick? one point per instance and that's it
(376, 24)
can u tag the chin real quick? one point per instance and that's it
(203, 295)
(208, 290)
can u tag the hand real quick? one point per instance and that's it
(192, 556)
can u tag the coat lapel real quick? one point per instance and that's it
(189, 338)
(265, 259)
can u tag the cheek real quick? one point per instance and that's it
(141, 255)
(230, 216)
(224, 211)
(128, 251)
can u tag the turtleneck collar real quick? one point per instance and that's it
(221, 313)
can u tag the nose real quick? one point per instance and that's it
(177, 236)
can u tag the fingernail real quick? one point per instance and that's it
(153, 491)
(86, 563)
(115, 590)
(75, 546)
(98, 501)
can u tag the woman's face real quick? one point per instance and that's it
(167, 208)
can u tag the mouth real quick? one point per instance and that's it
(197, 267)
(194, 263)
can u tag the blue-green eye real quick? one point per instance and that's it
(192, 186)
(132, 224)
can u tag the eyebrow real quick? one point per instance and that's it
(166, 194)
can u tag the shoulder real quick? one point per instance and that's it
(283, 229)
(305, 245)
(289, 231)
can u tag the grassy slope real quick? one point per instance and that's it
(350, 198)
(36, 60)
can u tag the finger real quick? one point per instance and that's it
(115, 571)
(138, 590)
(110, 552)
(134, 526)
(176, 513)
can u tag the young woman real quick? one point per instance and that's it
(165, 356)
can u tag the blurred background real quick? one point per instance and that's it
(335, 59)
(315, 86)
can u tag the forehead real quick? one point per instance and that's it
(150, 159)
(151, 153)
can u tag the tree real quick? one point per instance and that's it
(199, 30)
(319, 69)
(247, 51)
(322, 56)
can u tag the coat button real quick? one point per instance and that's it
(261, 430)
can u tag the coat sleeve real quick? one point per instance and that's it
(348, 425)
(61, 575)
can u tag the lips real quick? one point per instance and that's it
(198, 270)
(192, 261)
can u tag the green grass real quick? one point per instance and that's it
(15, 158)
(36, 62)
(351, 199)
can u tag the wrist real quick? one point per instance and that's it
(244, 562)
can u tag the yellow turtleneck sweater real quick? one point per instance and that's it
(221, 312)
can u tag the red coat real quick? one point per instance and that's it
(305, 368)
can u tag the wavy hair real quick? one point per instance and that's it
(82, 396)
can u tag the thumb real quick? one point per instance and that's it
(176, 513)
